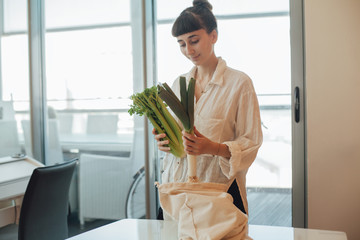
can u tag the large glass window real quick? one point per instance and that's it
(254, 38)
(89, 79)
(14, 77)
(89, 50)
(93, 53)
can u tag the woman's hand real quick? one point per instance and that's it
(199, 144)
(160, 142)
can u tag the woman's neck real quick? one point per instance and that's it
(205, 72)
(203, 76)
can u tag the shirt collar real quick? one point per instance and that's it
(218, 77)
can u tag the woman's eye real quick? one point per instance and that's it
(195, 42)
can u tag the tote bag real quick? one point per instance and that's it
(203, 211)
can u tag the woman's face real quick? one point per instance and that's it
(198, 46)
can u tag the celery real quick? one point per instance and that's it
(184, 110)
(149, 103)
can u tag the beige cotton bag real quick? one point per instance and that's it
(204, 211)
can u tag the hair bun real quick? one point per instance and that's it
(202, 3)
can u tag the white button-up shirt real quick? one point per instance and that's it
(228, 113)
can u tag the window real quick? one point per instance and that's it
(14, 72)
(254, 38)
(93, 63)
(89, 76)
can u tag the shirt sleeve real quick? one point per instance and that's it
(248, 137)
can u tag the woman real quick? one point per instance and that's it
(227, 118)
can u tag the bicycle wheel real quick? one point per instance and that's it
(135, 201)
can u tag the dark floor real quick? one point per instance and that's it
(9, 232)
(266, 207)
(270, 206)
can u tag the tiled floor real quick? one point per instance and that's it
(266, 207)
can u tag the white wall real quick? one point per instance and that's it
(332, 56)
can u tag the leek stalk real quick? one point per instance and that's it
(184, 110)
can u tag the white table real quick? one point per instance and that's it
(15, 174)
(97, 142)
(141, 229)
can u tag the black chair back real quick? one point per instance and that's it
(45, 205)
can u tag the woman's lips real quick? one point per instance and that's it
(195, 58)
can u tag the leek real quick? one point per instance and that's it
(184, 110)
(149, 103)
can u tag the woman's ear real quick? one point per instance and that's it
(214, 36)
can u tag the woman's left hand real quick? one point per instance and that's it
(198, 144)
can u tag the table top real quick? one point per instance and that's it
(12, 169)
(15, 174)
(103, 142)
(136, 229)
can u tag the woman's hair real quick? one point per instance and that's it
(199, 16)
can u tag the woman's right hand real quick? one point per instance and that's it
(160, 142)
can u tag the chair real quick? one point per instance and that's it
(9, 139)
(66, 122)
(44, 209)
(55, 154)
(7, 110)
(104, 181)
(102, 124)
(103, 184)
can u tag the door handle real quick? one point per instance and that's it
(297, 104)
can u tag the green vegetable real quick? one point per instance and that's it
(183, 109)
(191, 98)
(183, 94)
(149, 103)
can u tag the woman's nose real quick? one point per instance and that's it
(189, 49)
